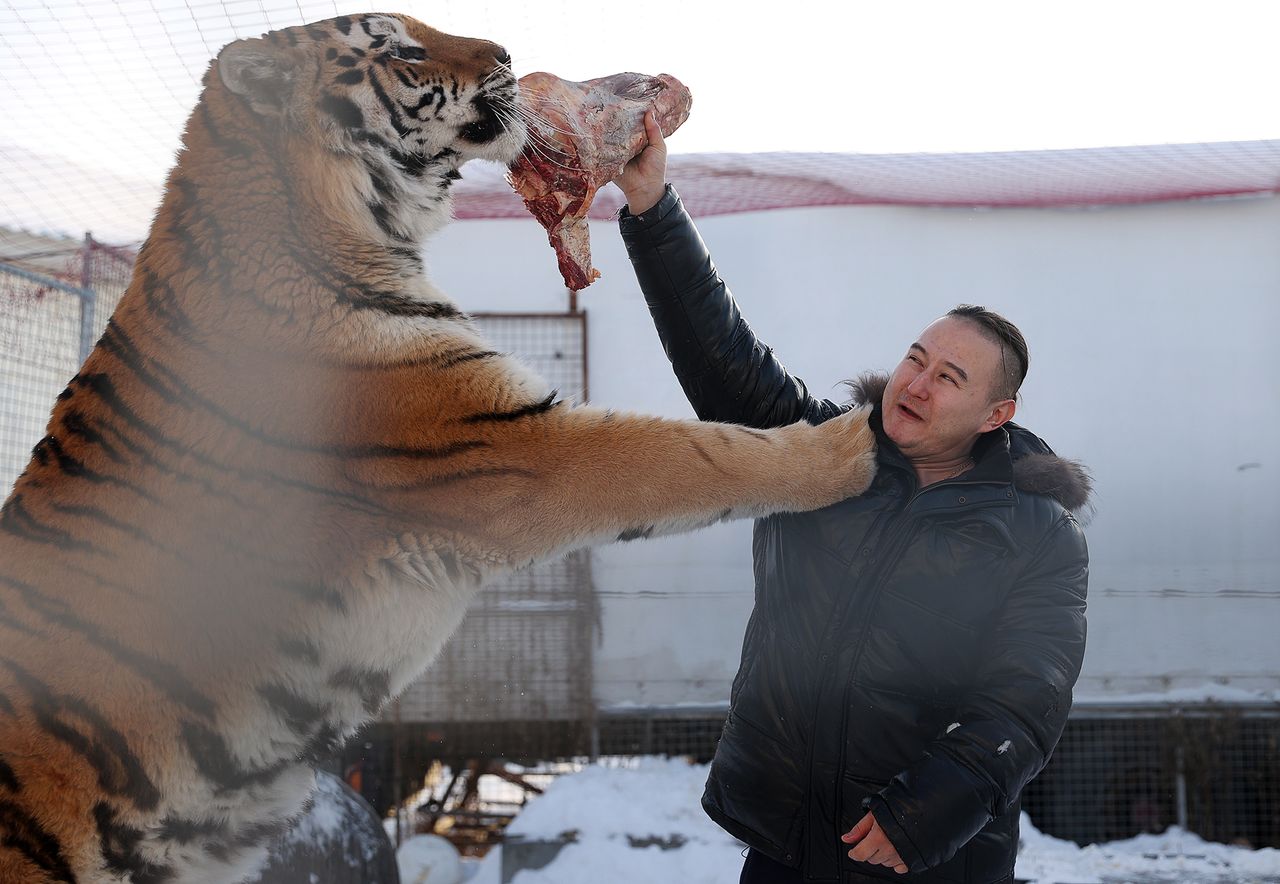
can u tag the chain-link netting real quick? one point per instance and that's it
(725, 183)
(521, 660)
(1114, 775)
(55, 299)
(40, 337)
(521, 654)
(515, 681)
(140, 66)
(524, 651)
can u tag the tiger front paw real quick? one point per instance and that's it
(851, 448)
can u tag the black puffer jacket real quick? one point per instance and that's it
(911, 651)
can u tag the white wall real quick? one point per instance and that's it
(1154, 358)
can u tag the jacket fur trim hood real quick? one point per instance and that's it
(1039, 472)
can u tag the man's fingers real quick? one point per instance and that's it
(889, 859)
(651, 127)
(859, 831)
(863, 853)
(869, 848)
(879, 853)
(872, 845)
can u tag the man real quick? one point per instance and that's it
(908, 666)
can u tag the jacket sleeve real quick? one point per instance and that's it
(1010, 724)
(726, 372)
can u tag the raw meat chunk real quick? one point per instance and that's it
(580, 137)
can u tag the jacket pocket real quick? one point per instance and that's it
(981, 535)
(757, 783)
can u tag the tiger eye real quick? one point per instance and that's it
(409, 53)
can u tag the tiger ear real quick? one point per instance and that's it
(258, 71)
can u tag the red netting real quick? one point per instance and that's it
(717, 184)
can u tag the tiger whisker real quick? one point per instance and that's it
(540, 122)
(547, 151)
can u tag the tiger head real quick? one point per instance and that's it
(382, 81)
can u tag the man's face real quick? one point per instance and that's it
(942, 395)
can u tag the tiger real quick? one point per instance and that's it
(266, 498)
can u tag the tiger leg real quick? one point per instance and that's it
(572, 477)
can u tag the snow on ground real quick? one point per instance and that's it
(1174, 856)
(643, 822)
(641, 797)
(429, 859)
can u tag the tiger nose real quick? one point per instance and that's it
(501, 56)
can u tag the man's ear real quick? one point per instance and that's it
(1001, 413)
(260, 72)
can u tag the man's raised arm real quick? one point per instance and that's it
(726, 372)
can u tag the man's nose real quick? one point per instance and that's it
(919, 387)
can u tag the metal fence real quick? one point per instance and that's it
(515, 681)
(1116, 773)
(55, 299)
(523, 652)
(1215, 771)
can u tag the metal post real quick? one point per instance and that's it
(86, 263)
(586, 373)
(1180, 785)
(396, 798)
(87, 304)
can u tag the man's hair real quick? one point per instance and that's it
(1013, 346)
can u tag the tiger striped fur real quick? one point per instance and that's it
(266, 498)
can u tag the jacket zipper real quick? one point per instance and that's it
(894, 545)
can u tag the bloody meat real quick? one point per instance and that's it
(581, 135)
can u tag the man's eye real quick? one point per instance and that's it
(409, 53)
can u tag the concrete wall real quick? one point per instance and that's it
(1154, 358)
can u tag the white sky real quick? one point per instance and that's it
(108, 85)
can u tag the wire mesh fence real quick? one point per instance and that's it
(55, 299)
(1114, 775)
(521, 654)
(40, 337)
(516, 678)
(515, 682)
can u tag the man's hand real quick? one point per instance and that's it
(871, 845)
(644, 179)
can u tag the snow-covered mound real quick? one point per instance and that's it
(644, 822)
(641, 823)
(429, 859)
(1176, 855)
(648, 798)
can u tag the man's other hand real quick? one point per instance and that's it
(644, 179)
(871, 845)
